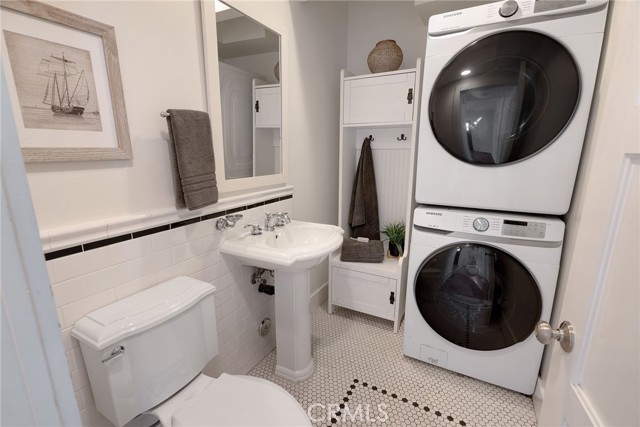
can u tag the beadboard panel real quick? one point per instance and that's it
(391, 161)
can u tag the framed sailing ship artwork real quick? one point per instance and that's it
(64, 83)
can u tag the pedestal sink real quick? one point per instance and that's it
(291, 251)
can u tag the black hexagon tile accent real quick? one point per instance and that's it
(355, 349)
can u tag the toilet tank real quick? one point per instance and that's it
(142, 349)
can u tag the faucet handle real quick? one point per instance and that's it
(285, 217)
(233, 218)
(255, 229)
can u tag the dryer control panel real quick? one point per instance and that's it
(501, 11)
(489, 223)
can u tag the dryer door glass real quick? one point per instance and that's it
(478, 296)
(504, 98)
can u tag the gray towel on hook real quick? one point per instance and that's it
(190, 133)
(363, 211)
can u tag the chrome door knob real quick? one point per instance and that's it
(565, 334)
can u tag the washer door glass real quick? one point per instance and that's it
(504, 98)
(478, 296)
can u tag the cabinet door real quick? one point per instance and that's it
(267, 107)
(363, 292)
(384, 99)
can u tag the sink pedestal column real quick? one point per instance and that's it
(293, 326)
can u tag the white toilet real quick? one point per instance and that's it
(144, 354)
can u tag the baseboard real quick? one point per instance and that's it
(537, 396)
(319, 297)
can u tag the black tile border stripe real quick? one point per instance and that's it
(105, 242)
(153, 230)
(178, 224)
(213, 215)
(415, 404)
(150, 231)
(63, 252)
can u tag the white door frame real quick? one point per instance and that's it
(36, 382)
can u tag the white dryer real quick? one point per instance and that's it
(506, 97)
(478, 284)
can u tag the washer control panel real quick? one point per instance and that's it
(524, 228)
(489, 224)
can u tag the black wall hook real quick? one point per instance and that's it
(402, 137)
(371, 138)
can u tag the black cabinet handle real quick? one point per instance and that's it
(257, 106)
(392, 298)
(410, 97)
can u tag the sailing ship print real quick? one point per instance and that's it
(55, 84)
(67, 90)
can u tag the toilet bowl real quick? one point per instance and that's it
(145, 354)
(231, 400)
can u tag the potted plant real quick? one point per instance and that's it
(395, 232)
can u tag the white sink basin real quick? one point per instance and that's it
(296, 247)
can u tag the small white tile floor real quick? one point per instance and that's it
(362, 378)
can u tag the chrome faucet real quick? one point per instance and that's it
(255, 230)
(268, 226)
(282, 219)
(229, 221)
(279, 219)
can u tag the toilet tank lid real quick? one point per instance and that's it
(139, 312)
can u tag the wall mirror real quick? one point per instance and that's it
(243, 56)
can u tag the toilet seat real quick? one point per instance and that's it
(231, 400)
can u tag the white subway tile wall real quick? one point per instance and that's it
(86, 281)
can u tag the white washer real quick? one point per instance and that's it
(478, 284)
(506, 97)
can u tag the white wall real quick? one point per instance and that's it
(162, 66)
(161, 62)
(372, 21)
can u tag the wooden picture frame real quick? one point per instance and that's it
(56, 128)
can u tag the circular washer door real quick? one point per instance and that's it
(478, 296)
(504, 98)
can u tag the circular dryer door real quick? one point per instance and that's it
(478, 296)
(504, 98)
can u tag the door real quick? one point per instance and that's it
(478, 296)
(504, 98)
(598, 382)
(36, 383)
(267, 107)
(379, 99)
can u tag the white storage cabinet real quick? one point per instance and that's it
(267, 106)
(383, 106)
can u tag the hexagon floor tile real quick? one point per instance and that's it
(363, 378)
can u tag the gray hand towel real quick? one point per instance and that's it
(363, 210)
(190, 132)
(354, 251)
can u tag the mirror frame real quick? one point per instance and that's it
(212, 79)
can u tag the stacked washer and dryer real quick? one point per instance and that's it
(507, 91)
